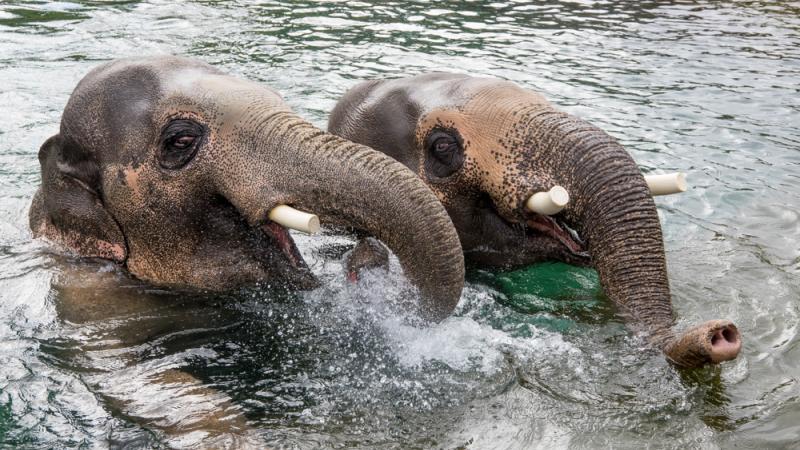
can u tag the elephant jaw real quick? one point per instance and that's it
(560, 232)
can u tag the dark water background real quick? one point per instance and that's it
(530, 360)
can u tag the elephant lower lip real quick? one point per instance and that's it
(548, 226)
(284, 241)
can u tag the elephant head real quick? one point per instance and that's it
(485, 146)
(171, 168)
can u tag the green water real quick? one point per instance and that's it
(531, 359)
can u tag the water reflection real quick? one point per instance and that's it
(130, 344)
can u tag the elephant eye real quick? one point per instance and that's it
(180, 141)
(444, 145)
(445, 153)
(183, 142)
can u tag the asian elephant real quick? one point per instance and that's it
(170, 168)
(484, 146)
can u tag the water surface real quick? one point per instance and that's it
(90, 358)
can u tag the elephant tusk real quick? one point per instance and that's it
(295, 219)
(548, 203)
(670, 183)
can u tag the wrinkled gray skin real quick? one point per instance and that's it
(170, 168)
(484, 146)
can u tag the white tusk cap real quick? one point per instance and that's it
(295, 219)
(670, 183)
(548, 203)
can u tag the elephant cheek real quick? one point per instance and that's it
(130, 178)
(507, 174)
(111, 251)
(84, 245)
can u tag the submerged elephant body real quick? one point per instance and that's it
(170, 168)
(484, 146)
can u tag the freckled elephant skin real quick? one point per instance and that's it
(170, 167)
(484, 146)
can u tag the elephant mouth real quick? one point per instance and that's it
(285, 243)
(492, 239)
(560, 232)
(264, 243)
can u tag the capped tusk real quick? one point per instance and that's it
(550, 202)
(295, 219)
(669, 183)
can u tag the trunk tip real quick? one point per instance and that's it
(710, 342)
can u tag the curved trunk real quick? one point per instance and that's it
(353, 184)
(612, 209)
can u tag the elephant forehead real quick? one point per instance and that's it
(498, 116)
(111, 109)
(122, 105)
(501, 103)
(491, 112)
(226, 104)
(221, 90)
(426, 92)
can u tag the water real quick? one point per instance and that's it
(91, 358)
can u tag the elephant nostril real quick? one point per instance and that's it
(725, 337)
(729, 335)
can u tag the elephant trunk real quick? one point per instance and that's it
(612, 209)
(354, 185)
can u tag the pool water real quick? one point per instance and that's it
(90, 358)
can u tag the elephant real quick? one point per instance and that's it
(169, 167)
(485, 146)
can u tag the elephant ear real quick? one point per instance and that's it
(67, 208)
